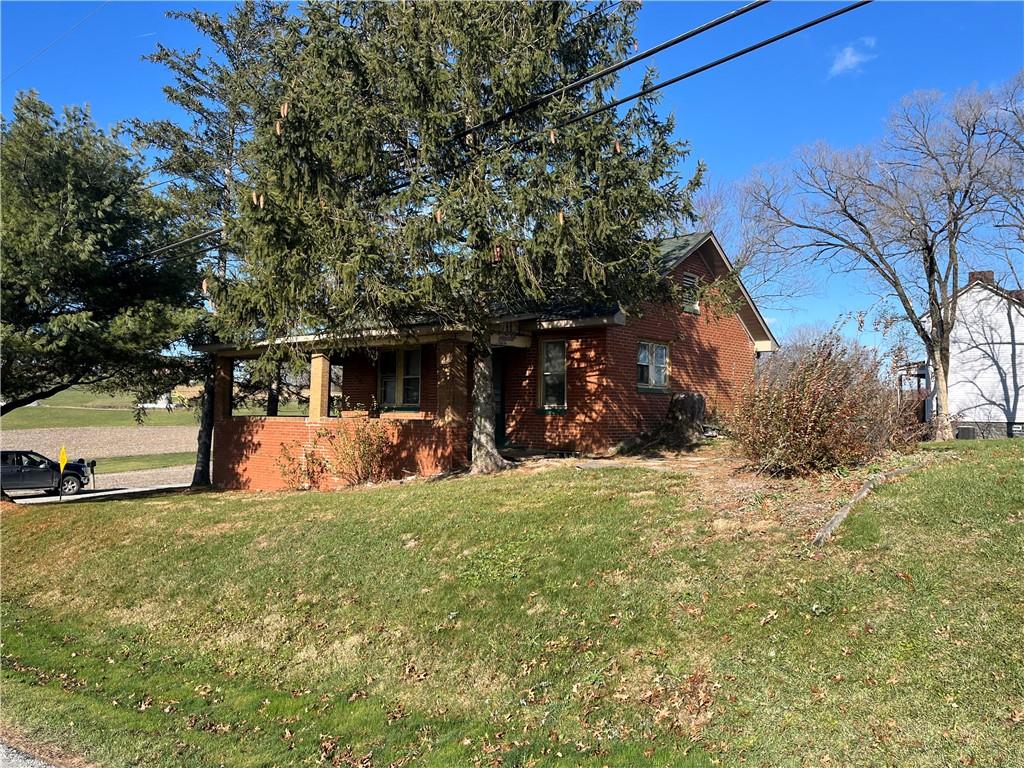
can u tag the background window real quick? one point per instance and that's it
(553, 374)
(652, 364)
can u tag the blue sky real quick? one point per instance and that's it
(835, 82)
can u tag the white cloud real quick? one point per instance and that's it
(851, 57)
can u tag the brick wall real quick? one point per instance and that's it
(247, 448)
(579, 426)
(713, 355)
(708, 353)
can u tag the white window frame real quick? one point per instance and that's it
(400, 403)
(652, 355)
(543, 373)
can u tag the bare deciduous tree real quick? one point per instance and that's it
(1004, 121)
(910, 212)
(774, 280)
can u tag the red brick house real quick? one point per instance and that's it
(579, 380)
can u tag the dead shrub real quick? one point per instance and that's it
(822, 406)
(363, 455)
(356, 457)
(303, 465)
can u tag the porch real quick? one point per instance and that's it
(415, 390)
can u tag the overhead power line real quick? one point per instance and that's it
(186, 241)
(604, 108)
(611, 69)
(703, 68)
(672, 81)
(55, 40)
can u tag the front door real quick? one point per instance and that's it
(498, 382)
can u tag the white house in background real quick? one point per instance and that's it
(986, 360)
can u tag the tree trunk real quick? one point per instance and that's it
(21, 402)
(486, 458)
(942, 423)
(204, 452)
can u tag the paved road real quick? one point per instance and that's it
(12, 758)
(100, 442)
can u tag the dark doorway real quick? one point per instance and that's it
(498, 383)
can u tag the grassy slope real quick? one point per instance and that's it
(82, 408)
(520, 617)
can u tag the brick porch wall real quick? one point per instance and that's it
(248, 447)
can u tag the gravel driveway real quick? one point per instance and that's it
(101, 442)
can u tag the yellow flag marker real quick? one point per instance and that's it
(62, 460)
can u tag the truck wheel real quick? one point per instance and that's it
(70, 485)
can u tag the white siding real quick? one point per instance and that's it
(986, 371)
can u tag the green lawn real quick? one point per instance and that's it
(145, 461)
(554, 618)
(81, 408)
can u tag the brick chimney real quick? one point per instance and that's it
(1017, 296)
(987, 276)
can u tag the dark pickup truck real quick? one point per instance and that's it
(28, 470)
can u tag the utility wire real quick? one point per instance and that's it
(674, 80)
(55, 40)
(545, 97)
(611, 69)
(156, 184)
(611, 105)
(186, 241)
(703, 68)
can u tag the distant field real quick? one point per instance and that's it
(146, 461)
(82, 408)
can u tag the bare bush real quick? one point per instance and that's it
(363, 455)
(303, 466)
(821, 407)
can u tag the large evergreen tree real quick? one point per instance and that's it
(376, 199)
(86, 301)
(219, 89)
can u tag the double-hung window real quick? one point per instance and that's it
(399, 378)
(652, 365)
(552, 384)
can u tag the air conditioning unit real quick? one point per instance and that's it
(966, 433)
(1017, 430)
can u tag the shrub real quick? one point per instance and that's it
(303, 466)
(363, 456)
(823, 406)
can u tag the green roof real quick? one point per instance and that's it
(674, 250)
